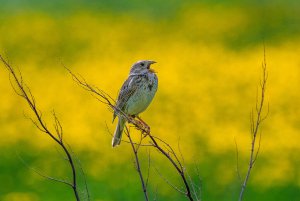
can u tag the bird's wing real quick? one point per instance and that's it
(128, 88)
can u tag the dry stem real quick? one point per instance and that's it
(135, 149)
(256, 120)
(163, 147)
(23, 91)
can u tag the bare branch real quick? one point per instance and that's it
(58, 128)
(255, 121)
(36, 124)
(200, 183)
(126, 141)
(258, 149)
(137, 162)
(179, 169)
(44, 175)
(83, 173)
(237, 161)
(160, 145)
(170, 183)
(193, 185)
(148, 171)
(180, 152)
(24, 91)
(98, 93)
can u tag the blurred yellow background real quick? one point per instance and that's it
(209, 58)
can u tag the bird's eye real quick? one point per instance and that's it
(142, 64)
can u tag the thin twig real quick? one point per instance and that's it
(255, 122)
(23, 90)
(237, 161)
(137, 162)
(193, 186)
(200, 183)
(169, 183)
(148, 171)
(42, 174)
(160, 145)
(179, 169)
(83, 174)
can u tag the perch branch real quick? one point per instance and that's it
(137, 162)
(160, 145)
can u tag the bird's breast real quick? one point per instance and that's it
(144, 94)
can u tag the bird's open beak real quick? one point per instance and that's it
(150, 69)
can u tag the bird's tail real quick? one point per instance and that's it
(118, 132)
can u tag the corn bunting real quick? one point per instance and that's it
(135, 95)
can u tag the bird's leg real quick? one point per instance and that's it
(139, 123)
(131, 119)
(134, 121)
(145, 125)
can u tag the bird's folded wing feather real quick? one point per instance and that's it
(128, 88)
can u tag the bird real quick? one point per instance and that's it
(135, 95)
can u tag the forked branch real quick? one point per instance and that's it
(23, 91)
(256, 119)
(160, 145)
(135, 148)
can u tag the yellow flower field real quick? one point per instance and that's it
(209, 77)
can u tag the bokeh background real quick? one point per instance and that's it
(209, 56)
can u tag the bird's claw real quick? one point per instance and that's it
(146, 129)
(141, 125)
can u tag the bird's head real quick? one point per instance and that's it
(142, 67)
